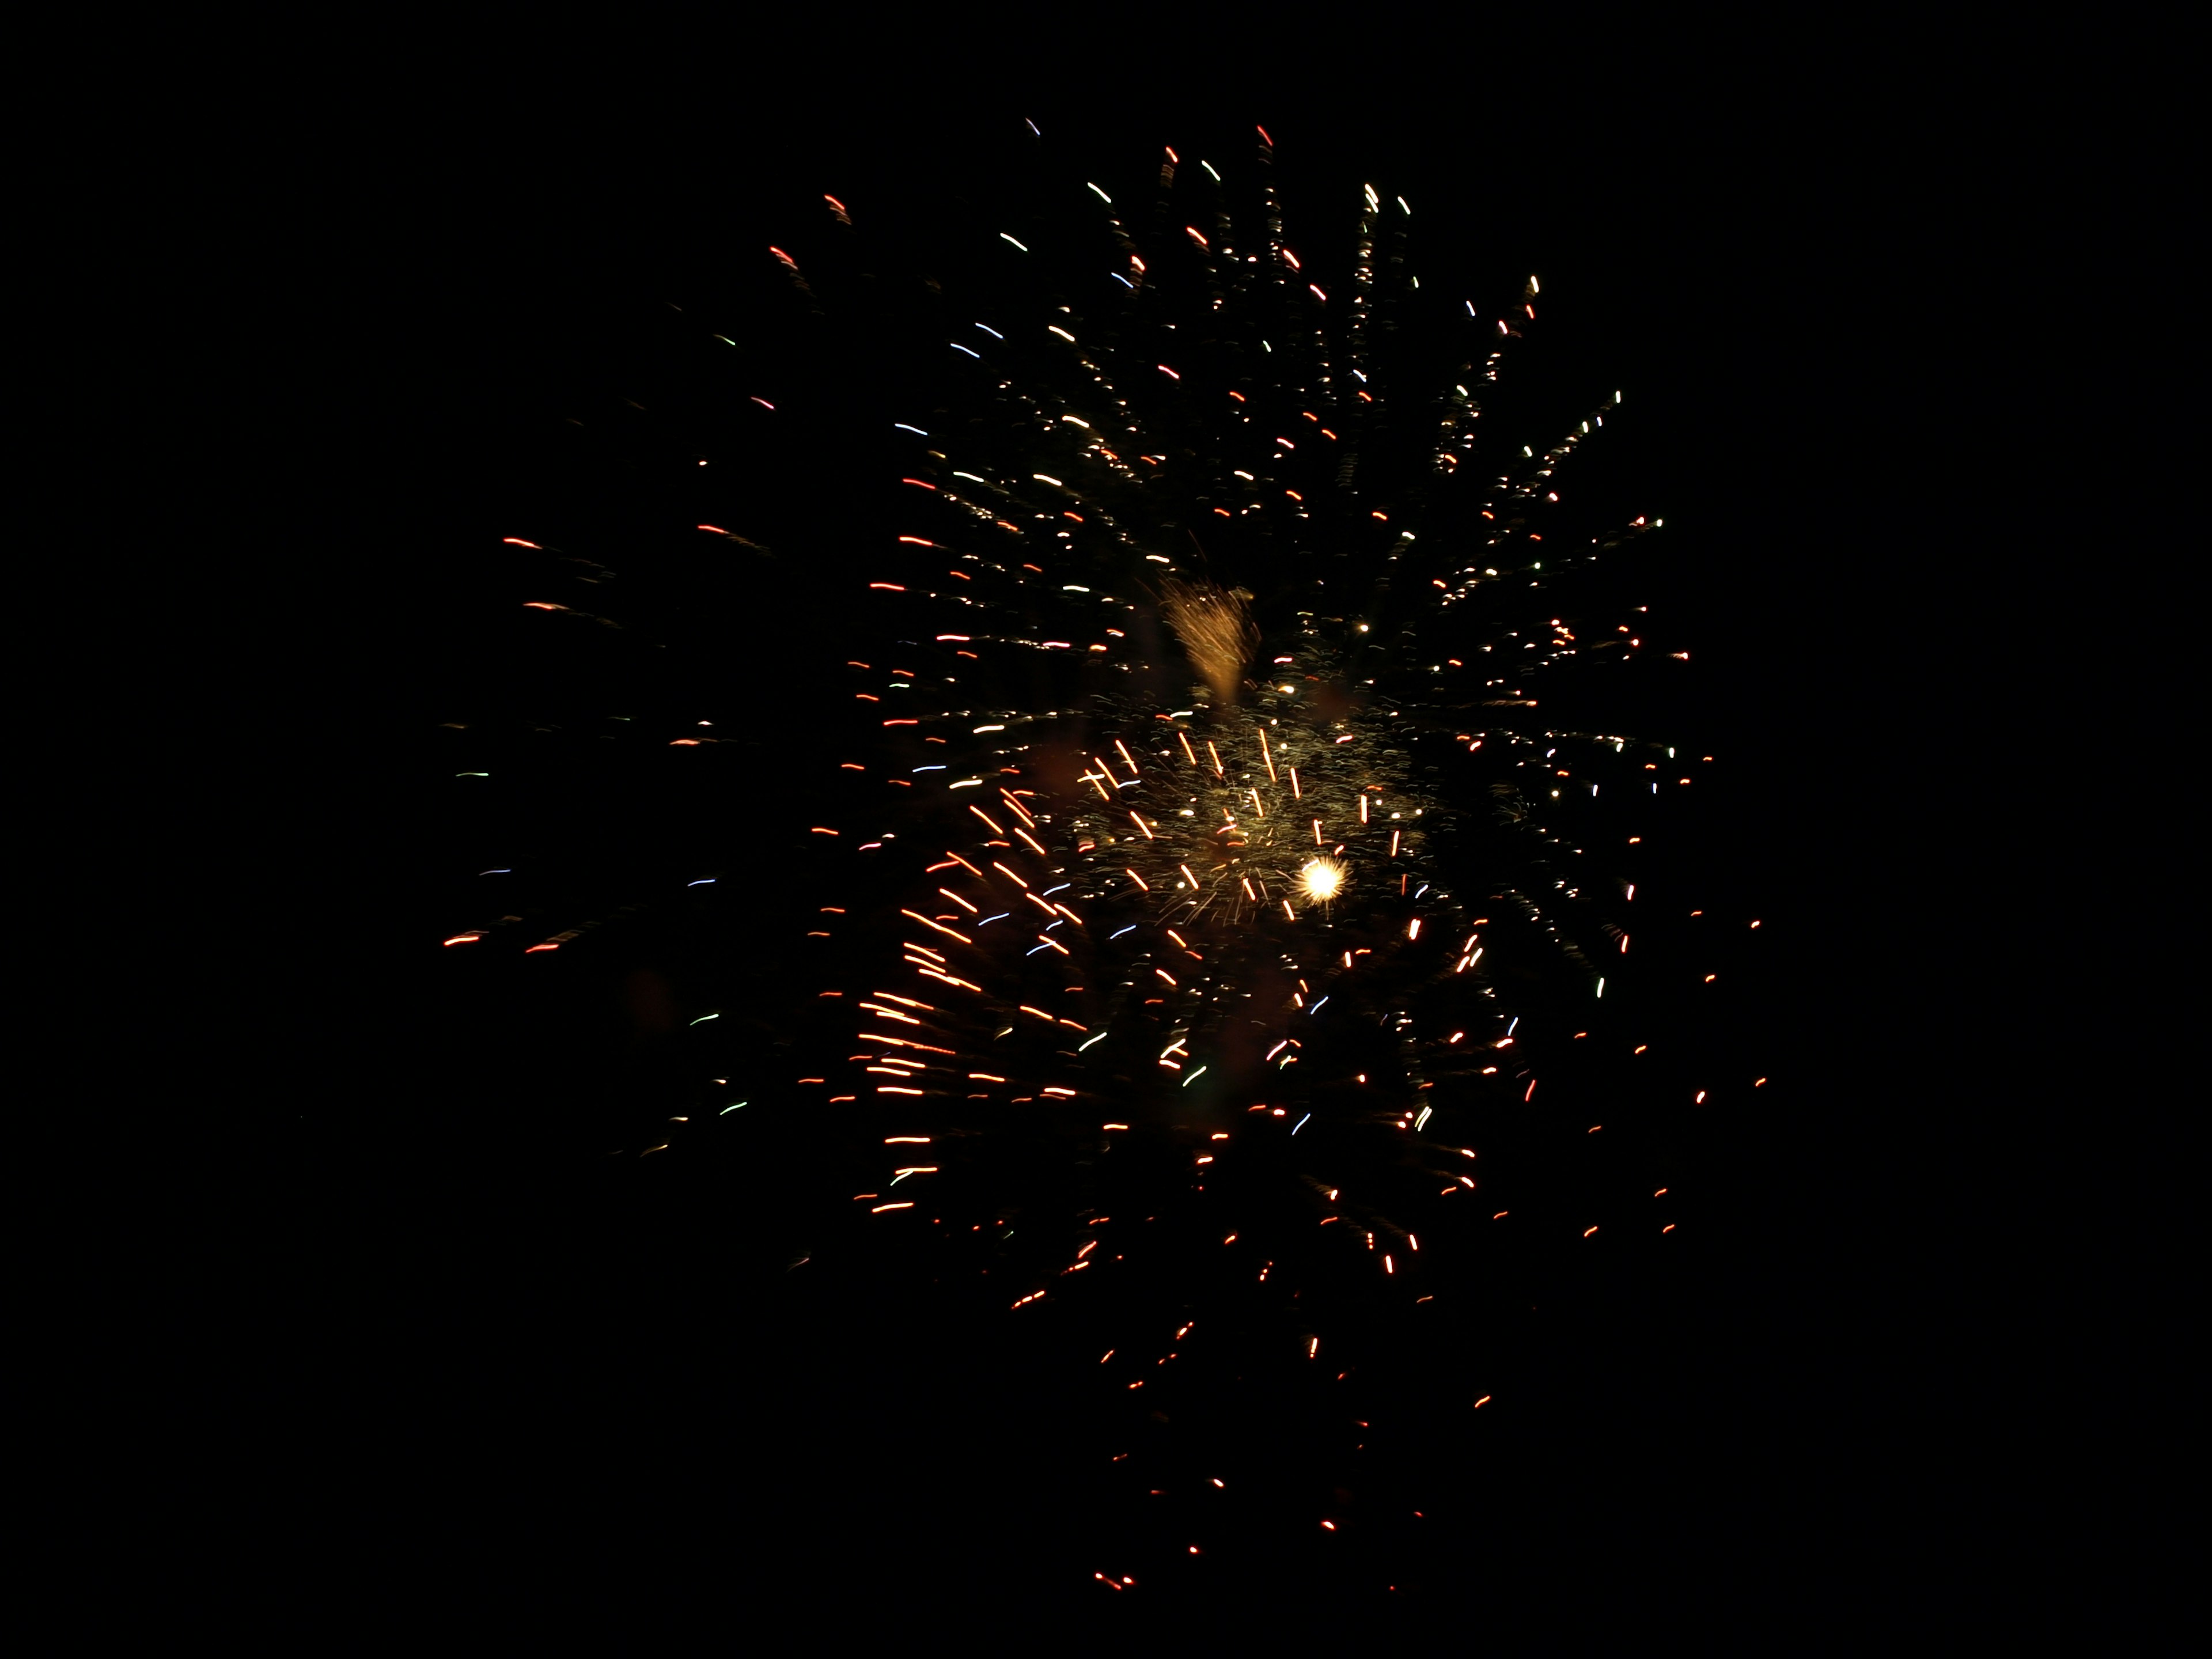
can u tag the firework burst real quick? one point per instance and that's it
(1228, 910)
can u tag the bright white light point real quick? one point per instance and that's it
(1322, 878)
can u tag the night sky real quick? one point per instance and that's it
(441, 1336)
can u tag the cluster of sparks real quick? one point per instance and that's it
(1216, 925)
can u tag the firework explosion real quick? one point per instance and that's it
(1251, 929)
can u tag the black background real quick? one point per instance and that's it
(377, 1346)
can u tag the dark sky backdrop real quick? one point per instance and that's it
(416, 1335)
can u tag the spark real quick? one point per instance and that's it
(1322, 879)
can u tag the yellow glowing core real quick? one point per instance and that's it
(1322, 878)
